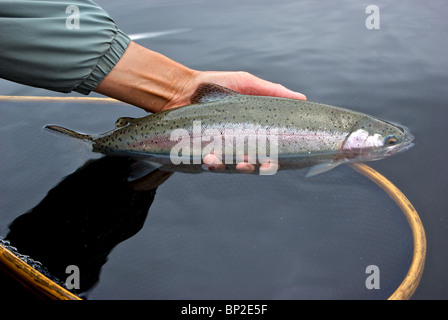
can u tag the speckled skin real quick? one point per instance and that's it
(303, 128)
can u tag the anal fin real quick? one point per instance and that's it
(323, 167)
(141, 168)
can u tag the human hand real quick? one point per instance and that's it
(240, 81)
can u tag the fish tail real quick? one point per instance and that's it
(70, 133)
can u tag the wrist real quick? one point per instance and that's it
(147, 79)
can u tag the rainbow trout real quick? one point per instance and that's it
(236, 127)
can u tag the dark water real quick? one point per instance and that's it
(205, 235)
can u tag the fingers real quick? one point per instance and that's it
(213, 163)
(247, 83)
(253, 85)
(245, 167)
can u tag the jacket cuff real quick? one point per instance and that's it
(106, 63)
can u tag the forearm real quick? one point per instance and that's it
(147, 79)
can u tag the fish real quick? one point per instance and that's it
(299, 133)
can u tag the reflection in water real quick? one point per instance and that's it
(91, 211)
(83, 218)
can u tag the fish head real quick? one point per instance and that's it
(373, 139)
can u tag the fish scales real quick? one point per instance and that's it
(301, 125)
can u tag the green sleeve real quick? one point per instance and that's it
(42, 45)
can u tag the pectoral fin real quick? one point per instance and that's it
(323, 167)
(141, 168)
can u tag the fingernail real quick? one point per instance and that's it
(243, 167)
(301, 95)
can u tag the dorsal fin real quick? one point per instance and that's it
(207, 92)
(121, 122)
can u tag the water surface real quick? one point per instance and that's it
(321, 49)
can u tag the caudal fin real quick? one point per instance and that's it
(70, 133)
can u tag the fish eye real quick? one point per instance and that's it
(390, 140)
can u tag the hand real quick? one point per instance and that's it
(239, 81)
